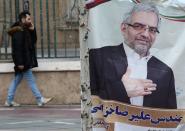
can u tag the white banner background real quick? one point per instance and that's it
(104, 29)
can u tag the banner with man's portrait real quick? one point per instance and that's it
(136, 64)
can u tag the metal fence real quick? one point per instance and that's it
(56, 22)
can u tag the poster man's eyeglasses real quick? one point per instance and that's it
(142, 27)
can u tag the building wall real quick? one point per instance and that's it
(57, 80)
(63, 86)
(56, 22)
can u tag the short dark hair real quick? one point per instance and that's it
(23, 15)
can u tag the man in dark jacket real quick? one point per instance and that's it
(24, 40)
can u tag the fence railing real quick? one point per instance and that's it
(56, 22)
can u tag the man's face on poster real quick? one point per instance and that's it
(141, 32)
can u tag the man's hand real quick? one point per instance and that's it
(21, 67)
(137, 87)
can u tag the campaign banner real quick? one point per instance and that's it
(115, 66)
(115, 116)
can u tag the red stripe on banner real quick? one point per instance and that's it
(138, 1)
(178, 20)
(95, 3)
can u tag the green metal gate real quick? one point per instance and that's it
(56, 22)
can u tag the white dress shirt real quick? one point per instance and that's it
(138, 68)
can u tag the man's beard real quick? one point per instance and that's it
(142, 50)
(27, 25)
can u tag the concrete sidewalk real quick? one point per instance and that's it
(33, 118)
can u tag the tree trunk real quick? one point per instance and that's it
(84, 57)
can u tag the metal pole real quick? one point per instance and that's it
(26, 5)
(48, 28)
(55, 26)
(16, 9)
(41, 29)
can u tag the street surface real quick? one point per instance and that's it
(33, 118)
